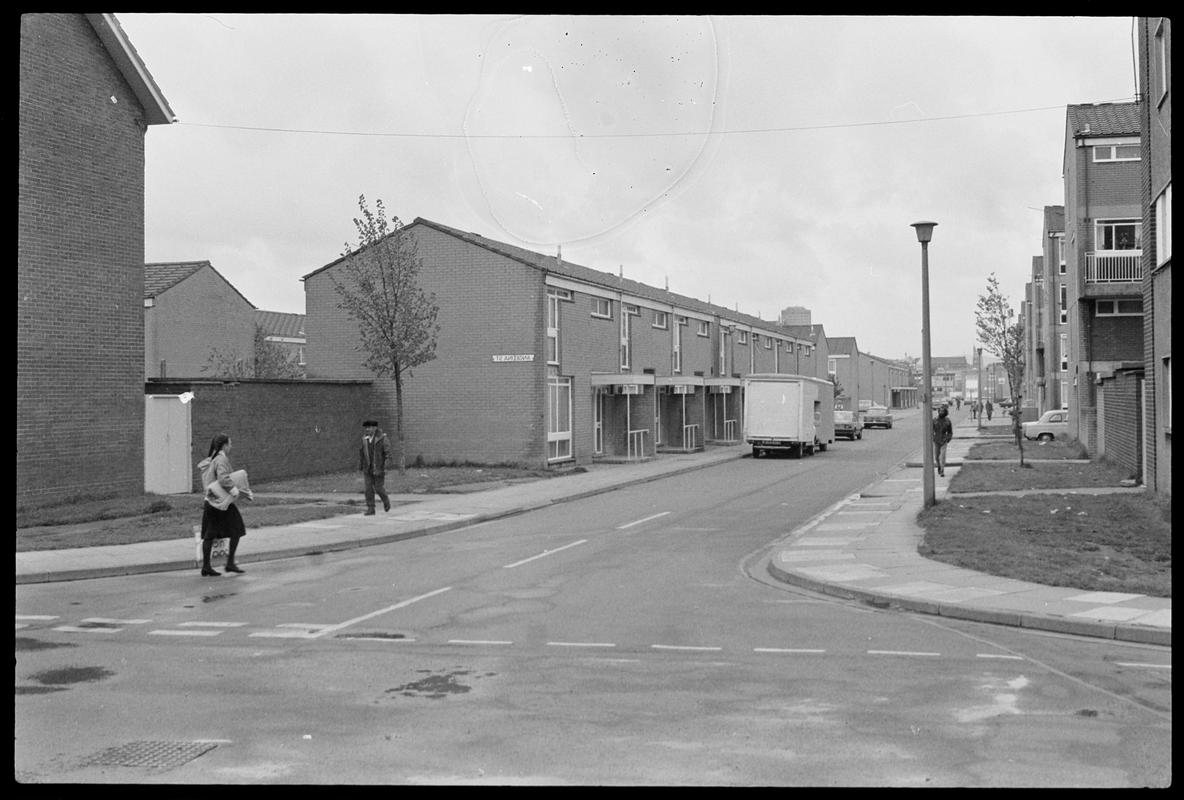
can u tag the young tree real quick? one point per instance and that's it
(270, 361)
(1002, 335)
(380, 291)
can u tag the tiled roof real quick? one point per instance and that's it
(279, 323)
(163, 276)
(1105, 119)
(842, 344)
(576, 272)
(949, 362)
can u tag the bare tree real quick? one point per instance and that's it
(380, 291)
(1002, 335)
(270, 360)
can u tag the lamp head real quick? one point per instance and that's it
(924, 231)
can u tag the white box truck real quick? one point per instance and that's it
(788, 412)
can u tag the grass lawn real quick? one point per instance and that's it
(1010, 476)
(89, 522)
(1005, 449)
(1107, 542)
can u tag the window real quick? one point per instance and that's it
(1064, 304)
(808, 351)
(300, 355)
(602, 307)
(680, 320)
(1163, 227)
(1064, 352)
(626, 358)
(629, 308)
(1163, 75)
(1167, 393)
(742, 337)
(554, 296)
(676, 352)
(558, 418)
(1119, 308)
(1058, 252)
(704, 328)
(661, 320)
(1128, 151)
(832, 366)
(768, 343)
(1118, 234)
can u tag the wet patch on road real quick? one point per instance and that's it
(25, 644)
(370, 635)
(213, 598)
(58, 680)
(437, 684)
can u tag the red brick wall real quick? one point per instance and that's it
(279, 429)
(462, 406)
(80, 266)
(1122, 410)
(1116, 338)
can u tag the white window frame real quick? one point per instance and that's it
(1164, 75)
(1108, 152)
(1163, 227)
(1112, 307)
(703, 328)
(1059, 243)
(1102, 225)
(1064, 302)
(1064, 352)
(768, 343)
(559, 440)
(1166, 383)
(602, 308)
(724, 332)
(661, 320)
(554, 297)
(742, 337)
(598, 396)
(626, 335)
(676, 344)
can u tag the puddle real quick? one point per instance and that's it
(436, 686)
(68, 675)
(213, 598)
(24, 643)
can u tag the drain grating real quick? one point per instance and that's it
(153, 755)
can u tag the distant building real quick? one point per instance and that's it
(1155, 86)
(86, 103)
(189, 311)
(794, 315)
(285, 331)
(1104, 276)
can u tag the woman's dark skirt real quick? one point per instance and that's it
(226, 524)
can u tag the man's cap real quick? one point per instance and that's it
(369, 424)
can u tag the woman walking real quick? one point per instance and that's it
(217, 523)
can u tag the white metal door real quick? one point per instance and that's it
(167, 451)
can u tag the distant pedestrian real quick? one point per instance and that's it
(958, 402)
(989, 409)
(372, 462)
(220, 517)
(943, 432)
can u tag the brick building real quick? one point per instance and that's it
(1103, 254)
(189, 311)
(284, 330)
(544, 362)
(86, 102)
(1155, 61)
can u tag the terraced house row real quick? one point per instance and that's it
(541, 360)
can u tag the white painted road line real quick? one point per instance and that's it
(166, 632)
(478, 641)
(639, 521)
(36, 617)
(899, 653)
(283, 635)
(785, 650)
(1000, 656)
(684, 647)
(581, 644)
(542, 554)
(379, 612)
(1148, 666)
(95, 629)
(211, 624)
(105, 621)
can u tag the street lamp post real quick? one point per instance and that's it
(978, 351)
(924, 235)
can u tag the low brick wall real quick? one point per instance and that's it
(280, 429)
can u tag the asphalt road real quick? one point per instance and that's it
(629, 638)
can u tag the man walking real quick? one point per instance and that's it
(373, 465)
(990, 408)
(943, 432)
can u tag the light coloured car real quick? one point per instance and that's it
(877, 416)
(1050, 425)
(848, 424)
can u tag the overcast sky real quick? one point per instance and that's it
(756, 162)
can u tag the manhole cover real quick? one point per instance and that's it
(154, 755)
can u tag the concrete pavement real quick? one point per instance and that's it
(864, 547)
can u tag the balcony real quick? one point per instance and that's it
(1114, 266)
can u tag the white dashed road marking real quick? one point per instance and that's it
(1000, 656)
(94, 629)
(899, 653)
(542, 554)
(105, 621)
(639, 521)
(167, 632)
(581, 644)
(684, 647)
(785, 650)
(1147, 666)
(477, 641)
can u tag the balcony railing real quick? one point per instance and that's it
(1114, 267)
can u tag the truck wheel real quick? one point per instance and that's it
(756, 452)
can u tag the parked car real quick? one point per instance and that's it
(1048, 427)
(877, 417)
(848, 424)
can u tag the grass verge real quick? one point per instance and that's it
(1010, 477)
(1056, 450)
(1107, 542)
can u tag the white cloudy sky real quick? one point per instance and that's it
(759, 162)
